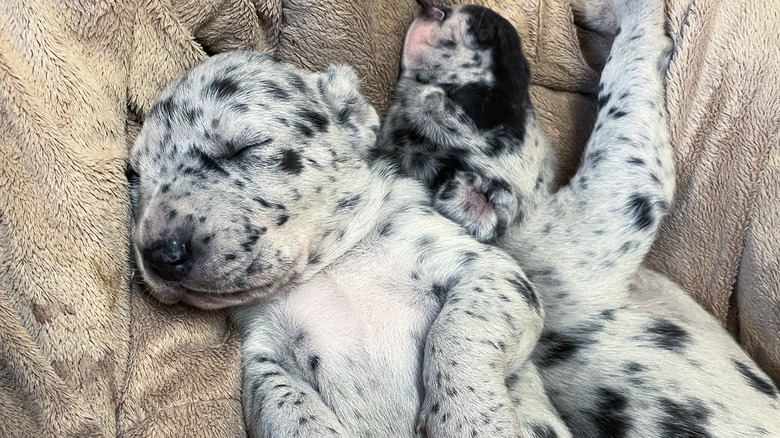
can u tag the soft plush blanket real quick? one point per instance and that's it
(85, 352)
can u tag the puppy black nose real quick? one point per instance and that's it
(169, 259)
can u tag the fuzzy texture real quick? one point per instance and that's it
(361, 309)
(81, 354)
(609, 340)
(69, 71)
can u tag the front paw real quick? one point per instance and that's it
(452, 415)
(433, 107)
(485, 207)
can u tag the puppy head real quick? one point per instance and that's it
(462, 111)
(474, 55)
(236, 172)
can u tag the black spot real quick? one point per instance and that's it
(543, 431)
(305, 130)
(314, 258)
(641, 208)
(468, 257)
(543, 276)
(555, 347)
(344, 115)
(608, 314)
(524, 288)
(511, 380)
(348, 201)
(423, 243)
(446, 44)
(610, 416)
(668, 335)
(230, 257)
(756, 382)
(595, 157)
(616, 113)
(314, 363)
(258, 358)
(636, 161)
(291, 162)
(603, 99)
(497, 145)
(165, 188)
(274, 90)
(193, 114)
(441, 289)
(386, 229)
(266, 204)
(208, 163)
(634, 367)
(297, 82)
(164, 108)
(250, 241)
(683, 421)
(221, 88)
(318, 120)
(626, 247)
(282, 219)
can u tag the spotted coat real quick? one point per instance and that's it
(624, 351)
(362, 310)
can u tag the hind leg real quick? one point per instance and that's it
(537, 416)
(604, 222)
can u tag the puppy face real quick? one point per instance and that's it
(239, 168)
(443, 46)
(474, 55)
(463, 90)
(461, 120)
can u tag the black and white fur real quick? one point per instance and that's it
(363, 311)
(624, 352)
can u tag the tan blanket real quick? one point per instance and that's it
(82, 353)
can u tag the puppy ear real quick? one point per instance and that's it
(511, 57)
(340, 89)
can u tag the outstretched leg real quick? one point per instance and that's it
(611, 209)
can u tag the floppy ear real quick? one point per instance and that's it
(510, 59)
(340, 89)
(486, 106)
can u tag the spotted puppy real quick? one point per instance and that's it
(363, 311)
(624, 352)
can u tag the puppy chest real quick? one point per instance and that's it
(357, 339)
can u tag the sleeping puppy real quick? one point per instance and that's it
(363, 311)
(624, 351)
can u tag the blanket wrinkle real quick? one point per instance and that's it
(84, 352)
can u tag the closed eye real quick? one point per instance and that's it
(237, 152)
